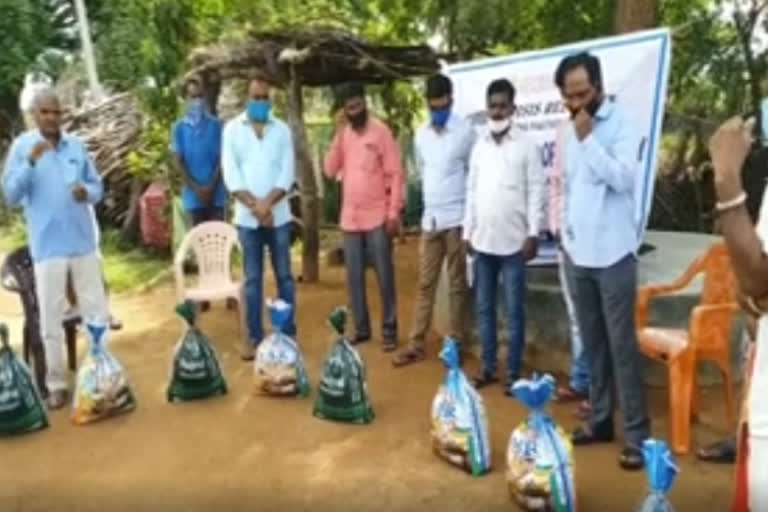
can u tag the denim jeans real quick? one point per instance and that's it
(579, 362)
(488, 267)
(278, 241)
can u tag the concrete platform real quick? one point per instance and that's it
(547, 330)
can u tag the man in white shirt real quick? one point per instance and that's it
(505, 192)
(748, 248)
(443, 146)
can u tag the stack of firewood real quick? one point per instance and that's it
(111, 131)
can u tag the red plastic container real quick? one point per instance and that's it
(155, 227)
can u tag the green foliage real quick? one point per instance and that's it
(151, 159)
(143, 41)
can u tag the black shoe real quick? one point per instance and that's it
(583, 436)
(511, 379)
(484, 379)
(631, 458)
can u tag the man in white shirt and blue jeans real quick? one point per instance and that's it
(505, 193)
(258, 170)
(443, 146)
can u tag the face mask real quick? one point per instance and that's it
(195, 109)
(358, 120)
(593, 106)
(439, 116)
(498, 126)
(258, 110)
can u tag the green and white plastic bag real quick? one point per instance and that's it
(343, 392)
(21, 408)
(195, 372)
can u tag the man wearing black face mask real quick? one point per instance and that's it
(600, 241)
(365, 157)
(443, 146)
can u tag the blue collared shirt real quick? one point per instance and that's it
(199, 147)
(57, 225)
(599, 179)
(443, 161)
(258, 165)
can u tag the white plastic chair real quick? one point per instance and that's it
(212, 244)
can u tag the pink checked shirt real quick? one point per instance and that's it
(371, 172)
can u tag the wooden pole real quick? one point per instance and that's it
(310, 256)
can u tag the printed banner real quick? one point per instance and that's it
(635, 72)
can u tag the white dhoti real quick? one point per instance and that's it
(51, 284)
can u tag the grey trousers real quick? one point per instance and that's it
(358, 248)
(605, 308)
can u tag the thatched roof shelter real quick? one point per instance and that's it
(320, 58)
(293, 59)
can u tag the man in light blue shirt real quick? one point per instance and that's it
(599, 236)
(196, 146)
(443, 146)
(50, 174)
(258, 169)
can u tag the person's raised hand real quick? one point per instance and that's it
(38, 149)
(728, 148)
(582, 123)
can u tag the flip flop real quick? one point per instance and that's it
(568, 394)
(389, 345)
(408, 356)
(721, 452)
(57, 400)
(583, 410)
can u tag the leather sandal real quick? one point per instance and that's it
(568, 394)
(408, 356)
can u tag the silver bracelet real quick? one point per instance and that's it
(754, 307)
(724, 206)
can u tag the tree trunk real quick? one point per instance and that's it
(310, 256)
(631, 15)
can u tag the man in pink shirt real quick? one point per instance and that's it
(364, 156)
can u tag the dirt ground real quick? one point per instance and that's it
(244, 452)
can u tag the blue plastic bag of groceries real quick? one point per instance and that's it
(539, 455)
(279, 367)
(661, 469)
(459, 423)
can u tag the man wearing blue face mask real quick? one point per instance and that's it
(196, 146)
(443, 146)
(258, 167)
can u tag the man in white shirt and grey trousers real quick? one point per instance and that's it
(505, 192)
